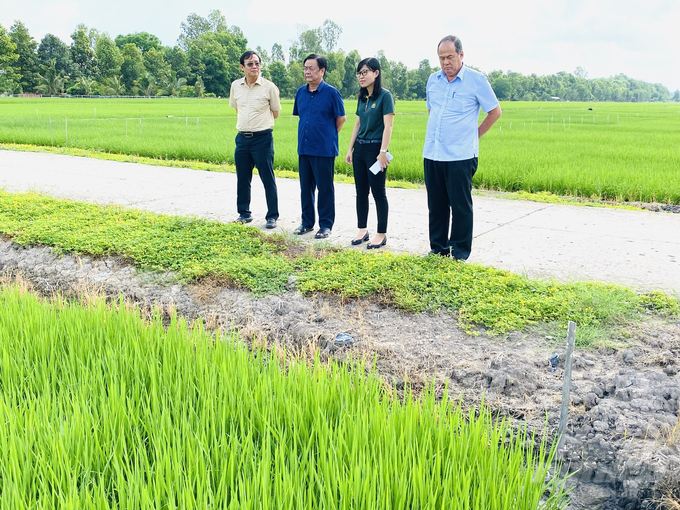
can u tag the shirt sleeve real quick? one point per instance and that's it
(274, 99)
(232, 99)
(295, 108)
(485, 95)
(388, 103)
(338, 104)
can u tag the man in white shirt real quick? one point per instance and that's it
(257, 104)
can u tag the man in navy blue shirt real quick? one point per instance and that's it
(322, 114)
(454, 97)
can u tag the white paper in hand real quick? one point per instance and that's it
(375, 167)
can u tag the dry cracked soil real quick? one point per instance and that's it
(622, 445)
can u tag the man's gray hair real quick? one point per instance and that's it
(454, 40)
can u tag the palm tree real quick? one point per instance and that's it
(114, 87)
(51, 83)
(173, 87)
(87, 85)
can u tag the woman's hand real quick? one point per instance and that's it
(348, 157)
(382, 158)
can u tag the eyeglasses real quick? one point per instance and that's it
(253, 64)
(364, 72)
(311, 69)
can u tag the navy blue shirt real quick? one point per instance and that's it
(317, 132)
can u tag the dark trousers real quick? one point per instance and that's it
(449, 200)
(256, 151)
(364, 155)
(316, 173)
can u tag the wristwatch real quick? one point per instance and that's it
(383, 150)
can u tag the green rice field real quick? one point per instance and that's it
(102, 410)
(616, 151)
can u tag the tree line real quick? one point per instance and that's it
(205, 61)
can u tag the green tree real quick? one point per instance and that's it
(87, 84)
(113, 87)
(400, 83)
(195, 26)
(50, 82)
(676, 95)
(296, 75)
(82, 54)
(143, 40)
(132, 68)
(156, 66)
(8, 58)
(336, 68)
(323, 39)
(279, 76)
(215, 58)
(52, 48)
(174, 85)
(178, 60)
(199, 88)
(502, 87)
(277, 53)
(350, 84)
(27, 63)
(108, 56)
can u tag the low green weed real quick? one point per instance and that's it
(239, 255)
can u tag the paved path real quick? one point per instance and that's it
(635, 248)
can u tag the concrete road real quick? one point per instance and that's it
(635, 248)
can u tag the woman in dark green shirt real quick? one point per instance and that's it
(369, 143)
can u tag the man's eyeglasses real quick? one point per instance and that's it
(311, 69)
(363, 72)
(253, 64)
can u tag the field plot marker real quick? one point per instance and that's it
(568, 362)
(140, 125)
(126, 127)
(66, 129)
(51, 135)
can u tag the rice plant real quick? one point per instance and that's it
(102, 410)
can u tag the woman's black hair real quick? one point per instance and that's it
(374, 65)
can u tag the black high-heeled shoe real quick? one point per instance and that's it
(376, 246)
(356, 242)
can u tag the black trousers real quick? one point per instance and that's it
(449, 200)
(364, 155)
(256, 151)
(317, 173)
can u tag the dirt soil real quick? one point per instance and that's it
(623, 437)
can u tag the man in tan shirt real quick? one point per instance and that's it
(257, 104)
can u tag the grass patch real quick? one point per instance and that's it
(239, 255)
(610, 151)
(102, 410)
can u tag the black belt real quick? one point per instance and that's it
(251, 134)
(362, 141)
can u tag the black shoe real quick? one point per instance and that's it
(302, 230)
(356, 242)
(244, 218)
(376, 246)
(322, 233)
(271, 223)
(440, 253)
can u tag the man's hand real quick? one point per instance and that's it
(489, 121)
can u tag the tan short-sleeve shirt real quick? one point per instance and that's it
(254, 104)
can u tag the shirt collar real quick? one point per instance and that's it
(461, 74)
(321, 86)
(257, 82)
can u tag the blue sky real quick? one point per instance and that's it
(606, 37)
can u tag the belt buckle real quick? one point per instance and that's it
(248, 134)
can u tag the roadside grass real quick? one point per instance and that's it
(484, 298)
(101, 409)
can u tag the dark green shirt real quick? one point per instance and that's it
(371, 112)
